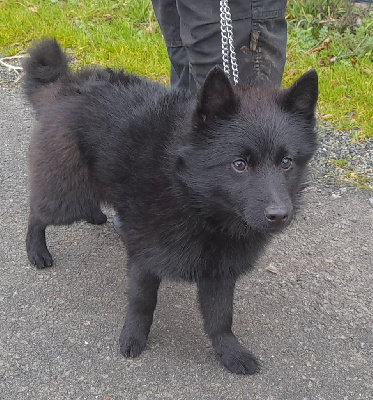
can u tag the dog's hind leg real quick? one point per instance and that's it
(62, 189)
(142, 299)
(36, 245)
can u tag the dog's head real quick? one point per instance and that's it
(247, 153)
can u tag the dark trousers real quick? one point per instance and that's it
(191, 29)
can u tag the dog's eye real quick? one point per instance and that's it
(240, 165)
(286, 163)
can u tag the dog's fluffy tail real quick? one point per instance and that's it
(46, 64)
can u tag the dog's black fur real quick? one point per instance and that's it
(199, 184)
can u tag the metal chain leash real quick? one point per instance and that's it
(227, 45)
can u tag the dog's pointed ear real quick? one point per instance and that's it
(301, 98)
(216, 98)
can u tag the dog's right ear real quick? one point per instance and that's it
(216, 98)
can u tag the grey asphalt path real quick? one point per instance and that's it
(309, 321)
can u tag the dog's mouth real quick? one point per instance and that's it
(278, 228)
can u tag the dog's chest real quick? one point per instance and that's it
(190, 258)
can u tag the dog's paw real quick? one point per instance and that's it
(40, 258)
(131, 345)
(238, 360)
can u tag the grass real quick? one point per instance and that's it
(339, 163)
(330, 36)
(348, 174)
(360, 180)
(121, 34)
(336, 39)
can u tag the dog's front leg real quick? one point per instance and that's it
(142, 299)
(216, 301)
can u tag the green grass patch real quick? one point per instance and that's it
(347, 174)
(331, 36)
(336, 39)
(339, 163)
(355, 178)
(122, 34)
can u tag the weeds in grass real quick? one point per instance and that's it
(299, 10)
(352, 177)
(339, 163)
(347, 173)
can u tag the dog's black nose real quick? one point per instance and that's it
(276, 215)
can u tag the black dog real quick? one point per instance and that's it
(199, 184)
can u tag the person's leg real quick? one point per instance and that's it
(268, 40)
(179, 67)
(169, 22)
(200, 34)
(260, 34)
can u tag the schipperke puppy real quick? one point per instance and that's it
(199, 184)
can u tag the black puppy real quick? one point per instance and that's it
(199, 184)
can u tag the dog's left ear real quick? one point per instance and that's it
(216, 98)
(301, 98)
